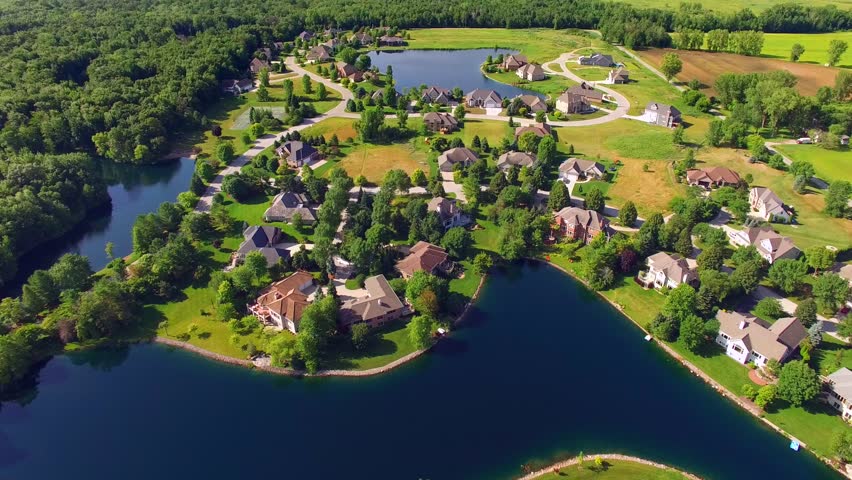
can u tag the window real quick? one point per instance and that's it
(737, 349)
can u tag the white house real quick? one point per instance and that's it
(768, 206)
(669, 271)
(769, 244)
(838, 393)
(449, 211)
(573, 169)
(749, 339)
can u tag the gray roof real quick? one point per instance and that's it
(521, 159)
(534, 103)
(483, 95)
(841, 382)
(662, 108)
(296, 149)
(266, 240)
(456, 155)
(584, 167)
(441, 118)
(767, 241)
(446, 207)
(285, 205)
(598, 59)
(674, 267)
(771, 202)
(380, 300)
(587, 91)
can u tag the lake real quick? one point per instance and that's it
(542, 369)
(134, 190)
(444, 68)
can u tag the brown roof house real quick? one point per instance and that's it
(484, 98)
(286, 205)
(264, 239)
(513, 62)
(531, 72)
(424, 257)
(440, 122)
(306, 35)
(257, 64)
(379, 306)
(569, 103)
(587, 91)
(662, 115)
(319, 54)
(749, 339)
(669, 271)
(391, 41)
(539, 129)
(572, 169)
(437, 95)
(511, 159)
(456, 156)
(769, 244)
(297, 153)
(346, 70)
(712, 177)
(618, 76)
(449, 212)
(768, 206)
(533, 103)
(282, 303)
(579, 224)
(596, 59)
(361, 39)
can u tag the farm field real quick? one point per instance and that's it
(830, 165)
(778, 45)
(706, 67)
(731, 6)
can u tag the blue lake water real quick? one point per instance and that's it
(444, 68)
(543, 369)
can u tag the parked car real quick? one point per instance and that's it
(805, 140)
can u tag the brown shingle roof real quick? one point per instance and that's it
(380, 300)
(771, 341)
(285, 298)
(713, 174)
(589, 219)
(540, 129)
(422, 256)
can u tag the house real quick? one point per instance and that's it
(236, 87)
(282, 303)
(306, 36)
(844, 139)
(438, 95)
(257, 64)
(712, 177)
(425, 257)
(586, 91)
(440, 122)
(768, 206)
(286, 205)
(381, 94)
(333, 44)
(267, 52)
(362, 39)
(319, 54)
(331, 32)
(391, 41)
(346, 70)
(669, 271)
(838, 392)
(618, 76)
(534, 104)
(264, 239)
(569, 103)
(531, 72)
(456, 156)
(749, 339)
(845, 271)
(579, 224)
(662, 115)
(541, 130)
(769, 244)
(596, 60)
(513, 62)
(379, 306)
(449, 212)
(484, 98)
(573, 169)
(297, 153)
(511, 159)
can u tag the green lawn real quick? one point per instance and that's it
(388, 343)
(778, 45)
(538, 44)
(552, 86)
(830, 165)
(831, 355)
(612, 470)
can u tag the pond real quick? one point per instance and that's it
(134, 190)
(444, 68)
(542, 369)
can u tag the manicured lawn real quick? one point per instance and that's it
(814, 424)
(486, 237)
(583, 189)
(650, 144)
(778, 45)
(552, 86)
(321, 106)
(538, 44)
(389, 343)
(344, 128)
(493, 130)
(831, 355)
(466, 286)
(830, 165)
(612, 470)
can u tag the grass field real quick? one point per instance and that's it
(612, 470)
(552, 86)
(778, 45)
(538, 44)
(373, 161)
(830, 165)
(344, 128)
(731, 6)
(706, 67)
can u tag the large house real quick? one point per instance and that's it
(531, 72)
(513, 62)
(379, 306)
(541, 130)
(838, 392)
(440, 122)
(423, 257)
(237, 87)
(319, 54)
(768, 206)
(456, 156)
(770, 245)
(257, 64)
(381, 94)
(597, 60)
(662, 115)
(306, 36)
(347, 70)
(669, 271)
(712, 177)
(362, 39)
(391, 41)
(533, 103)
(579, 224)
(586, 91)
(448, 211)
(573, 169)
(333, 44)
(264, 239)
(285, 206)
(749, 339)
(569, 103)
(297, 153)
(484, 98)
(282, 303)
(520, 159)
(437, 95)
(618, 76)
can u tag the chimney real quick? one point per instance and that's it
(742, 325)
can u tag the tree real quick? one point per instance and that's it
(747, 275)
(787, 274)
(692, 332)
(418, 178)
(841, 445)
(627, 215)
(482, 263)
(837, 199)
(225, 152)
(766, 395)
(318, 323)
(711, 258)
(830, 291)
(806, 312)
(402, 118)
(820, 258)
(360, 335)
(322, 93)
(671, 65)
(263, 94)
(680, 303)
(796, 51)
(594, 200)
(559, 197)
(255, 263)
(370, 125)
(282, 350)
(677, 135)
(71, 272)
(347, 55)
(798, 383)
(836, 49)
(457, 241)
(528, 142)
(420, 332)
(363, 63)
(769, 308)
(307, 86)
(40, 292)
(546, 151)
(472, 191)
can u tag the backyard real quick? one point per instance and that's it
(830, 165)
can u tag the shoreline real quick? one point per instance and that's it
(606, 456)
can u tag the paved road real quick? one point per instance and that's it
(621, 100)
